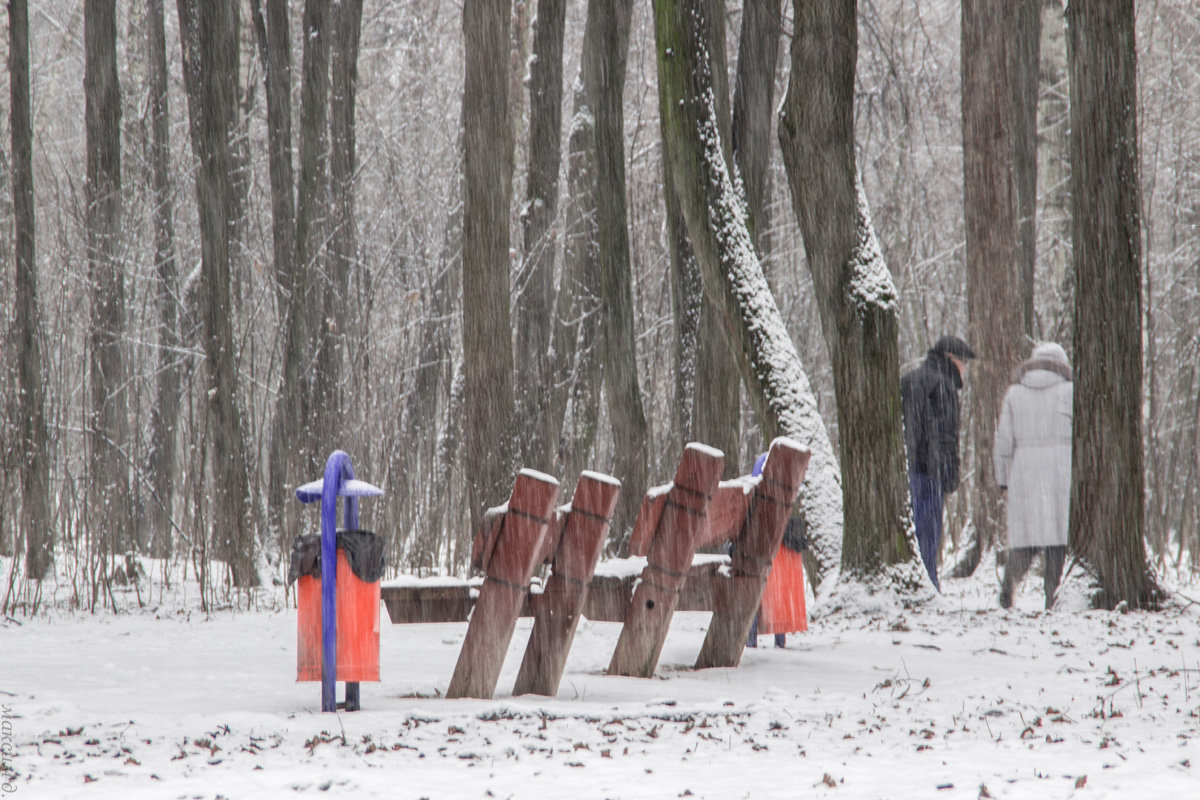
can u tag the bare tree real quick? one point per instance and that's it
(108, 421)
(165, 412)
(575, 377)
(1107, 518)
(336, 319)
(275, 52)
(854, 290)
(606, 46)
(487, 171)
(753, 105)
(995, 277)
(535, 286)
(32, 438)
(715, 215)
(213, 108)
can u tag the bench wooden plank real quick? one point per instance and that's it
(513, 558)
(754, 551)
(556, 612)
(668, 558)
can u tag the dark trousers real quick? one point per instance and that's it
(927, 517)
(1019, 561)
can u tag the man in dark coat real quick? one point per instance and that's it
(929, 395)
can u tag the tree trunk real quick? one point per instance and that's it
(995, 276)
(535, 288)
(688, 306)
(33, 440)
(214, 111)
(275, 52)
(1024, 58)
(312, 230)
(108, 423)
(576, 377)
(716, 412)
(855, 296)
(343, 240)
(487, 333)
(715, 215)
(753, 105)
(1053, 175)
(605, 46)
(1107, 480)
(165, 413)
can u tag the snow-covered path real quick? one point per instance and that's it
(955, 700)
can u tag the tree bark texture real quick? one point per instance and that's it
(606, 45)
(214, 109)
(108, 421)
(715, 216)
(33, 439)
(716, 410)
(336, 320)
(275, 51)
(753, 105)
(995, 277)
(857, 302)
(576, 371)
(487, 333)
(535, 289)
(1024, 60)
(1107, 517)
(312, 230)
(168, 390)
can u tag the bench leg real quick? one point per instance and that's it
(513, 559)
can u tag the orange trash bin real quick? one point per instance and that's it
(357, 626)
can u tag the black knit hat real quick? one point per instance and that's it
(954, 346)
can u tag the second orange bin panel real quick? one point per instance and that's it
(783, 609)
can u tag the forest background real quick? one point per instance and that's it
(123, 279)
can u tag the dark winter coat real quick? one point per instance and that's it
(929, 395)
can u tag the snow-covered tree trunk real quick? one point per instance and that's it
(855, 294)
(715, 215)
(708, 388)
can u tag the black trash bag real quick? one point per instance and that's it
(795, 535)
(364, 551)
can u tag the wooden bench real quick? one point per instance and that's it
(665, 574)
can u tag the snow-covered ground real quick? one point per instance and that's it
(957, 699)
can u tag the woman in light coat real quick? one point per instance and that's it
(1032, 458)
